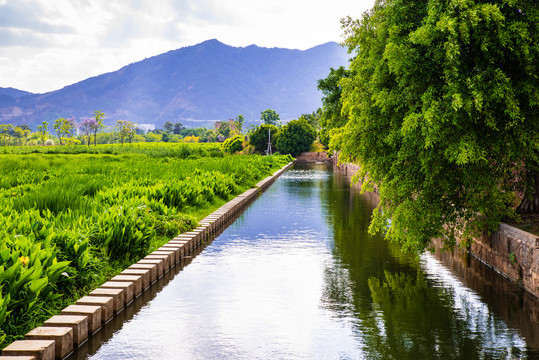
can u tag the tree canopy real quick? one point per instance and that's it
(443, 103)
(269, 117)
(332, 116)
(295, 137)
(259, 137)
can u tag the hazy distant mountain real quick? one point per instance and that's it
(14, 93)
(195, 85)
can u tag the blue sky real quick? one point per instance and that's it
(48, 44)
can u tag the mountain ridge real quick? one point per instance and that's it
(194, 85)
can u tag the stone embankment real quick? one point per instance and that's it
(512, 252)
(313, 158)
(63, 333)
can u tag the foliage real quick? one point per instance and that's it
(443, 105)
(99, 116)
(332, 116)
(233, 144)
(43, 132)
(269, 117)
(126, 130)
(87, 126)
(238, 123)
(313, 118)
(21, 133)
(64, 128)
(177, 129)
(70, 221)
(191, 139)
(152, 137)
(259, 137)
(296, 137)
(224, 129)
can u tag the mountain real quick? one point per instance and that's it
(195, 85)
(14, 93)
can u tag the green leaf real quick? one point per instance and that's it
(37, 285)
(4, 255)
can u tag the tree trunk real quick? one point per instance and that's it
(530, 202)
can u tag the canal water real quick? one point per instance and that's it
(297, 276)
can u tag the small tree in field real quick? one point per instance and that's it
(43, 132)
(87, 126)
(64, 128)
(126, 130)
(269, 117)
(238, 123)
(99, 116)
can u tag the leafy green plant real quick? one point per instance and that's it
(233, 144)
(72, 217)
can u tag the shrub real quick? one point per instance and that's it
(233, 144)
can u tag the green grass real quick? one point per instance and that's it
(69, 220)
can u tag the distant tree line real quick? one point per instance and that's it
(93, 131)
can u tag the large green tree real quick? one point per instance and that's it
(260, 136)
(332, 116)
(443, 109)
(296, 137)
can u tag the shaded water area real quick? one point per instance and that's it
(296, 276)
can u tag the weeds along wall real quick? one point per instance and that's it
(69, 221)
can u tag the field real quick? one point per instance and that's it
(70, 218)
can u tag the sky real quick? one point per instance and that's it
(48, 44)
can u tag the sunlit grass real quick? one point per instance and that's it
(84, 216)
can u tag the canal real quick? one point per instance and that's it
(297, 276)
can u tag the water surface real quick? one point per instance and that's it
(296, 276)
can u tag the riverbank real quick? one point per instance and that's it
(512, 252)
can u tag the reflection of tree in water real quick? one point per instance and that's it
(414, 319)
(397, 313)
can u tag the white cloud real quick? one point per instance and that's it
(48, 44)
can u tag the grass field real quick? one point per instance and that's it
(70, 218)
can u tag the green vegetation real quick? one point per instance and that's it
(270, 117)
(233, 144)
(73, 216)
(332, 116)
(442, 100)
(296, 137)
(293, 138)
(259, 136)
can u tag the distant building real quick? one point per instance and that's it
(146, 127)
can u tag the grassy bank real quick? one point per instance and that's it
(69, 220)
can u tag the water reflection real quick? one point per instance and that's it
(410, 308)
(298, 277)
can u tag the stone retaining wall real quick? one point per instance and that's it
(313, 157)
(512, 252)
(61, 334)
